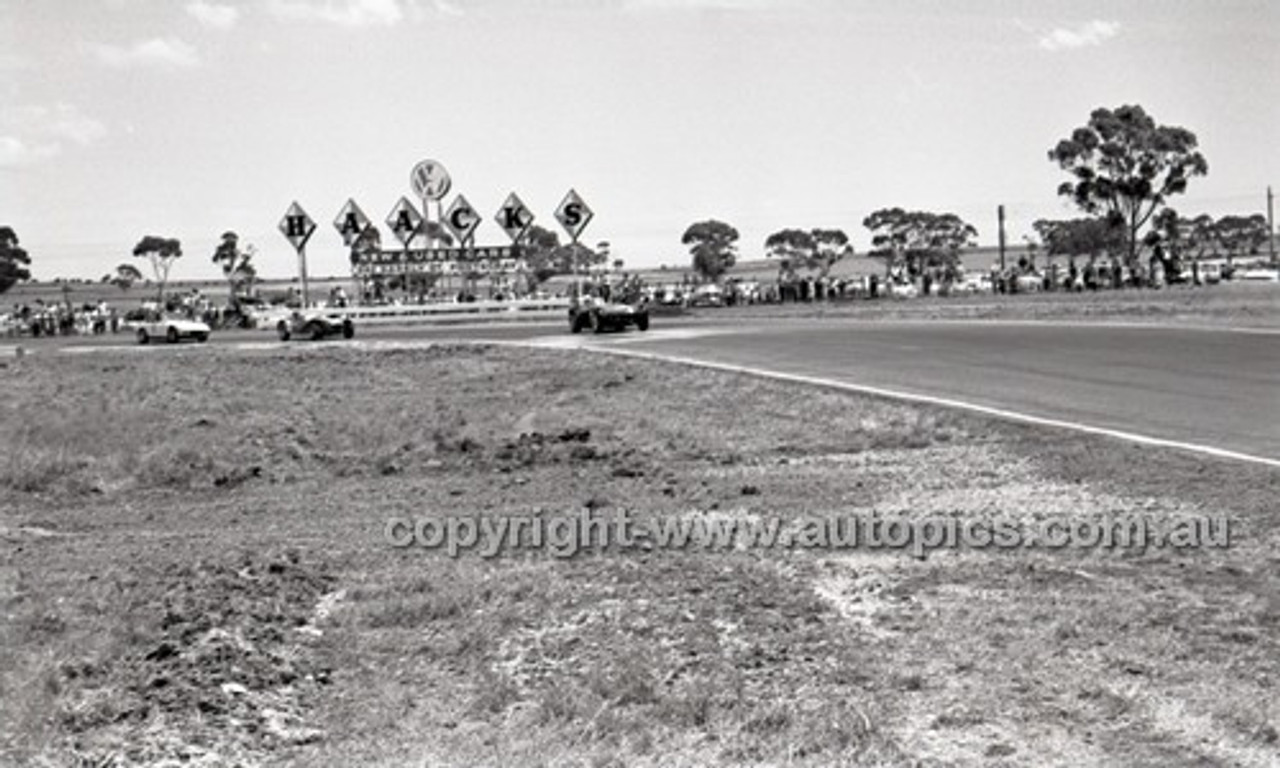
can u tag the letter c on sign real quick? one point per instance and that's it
(462, 218)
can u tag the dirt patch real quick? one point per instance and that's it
(214, 662)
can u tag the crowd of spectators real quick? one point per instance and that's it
(39, 318)
(65, 318)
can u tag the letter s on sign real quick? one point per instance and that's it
(572, 214)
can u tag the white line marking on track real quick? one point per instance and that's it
(946, 402)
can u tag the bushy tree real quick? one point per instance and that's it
(125, 276)
(816, 250)
(1091, 237)
(792, 248)
(829, 247)
(713, 246)
(1241, 235)
(1231, 236)
(237, 265)
(436, 233)
(581, 257)
(1125, 167)
(545, 257)
(540, 251)
(918, 239)
(161, 253)
(13, 260)
(367, 242)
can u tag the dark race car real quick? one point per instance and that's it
(315, 325)
(597, 314)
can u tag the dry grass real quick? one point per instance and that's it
(141, 531)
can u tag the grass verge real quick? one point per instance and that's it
(193, 568)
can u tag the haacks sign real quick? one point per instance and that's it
(431, 182)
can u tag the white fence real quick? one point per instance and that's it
(519, 309)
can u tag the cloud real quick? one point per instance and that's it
(32, 133)
(213, 14)
(445, 8)
(347, 13)
(73, 126)
(170, 52)
(15, 153)
(701, 5)
(12, 61)
(1092, 33)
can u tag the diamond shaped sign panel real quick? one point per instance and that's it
(462, 220)
(297, 226)
(573, 214)
(350, 222)
(514, 217)
(404, 221)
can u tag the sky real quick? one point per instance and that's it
(123, 118)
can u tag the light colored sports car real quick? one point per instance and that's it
(170, 328)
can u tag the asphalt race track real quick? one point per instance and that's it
(1212, 388)
(1218, 388)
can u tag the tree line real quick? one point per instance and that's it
(1202, 237)
(1124, 168)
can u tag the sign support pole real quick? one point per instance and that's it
(302, 271)
(1271, 227)
(404, 275)
(1000, 223)
(448, 287)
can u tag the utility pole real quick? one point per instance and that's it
(1000, 220)
(1271, 226)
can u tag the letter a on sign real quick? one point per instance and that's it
(351, 222)
(404, 221)
(297, 226)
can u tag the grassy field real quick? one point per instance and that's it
(1254, 305)
(193, 569)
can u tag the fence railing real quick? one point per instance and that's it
(518, 309)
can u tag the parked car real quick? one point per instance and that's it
(1030, 282)
(1258, 274)
(902, 290)
(155, 325)
(669, 296)
(707, 296)
(315, 325)
(979, 283)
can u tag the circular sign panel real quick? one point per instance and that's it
(430, 180)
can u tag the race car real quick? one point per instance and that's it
(600, 314)
(315, 325)
(155, 325)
